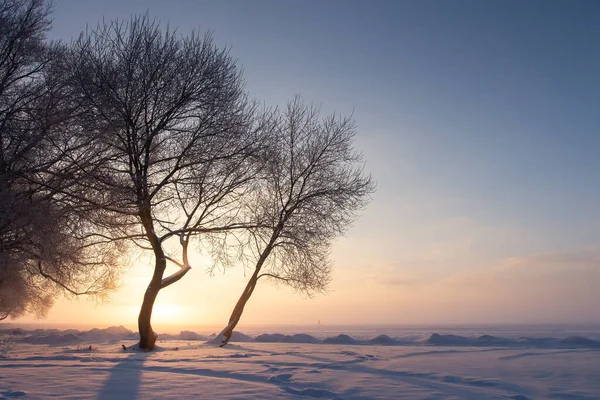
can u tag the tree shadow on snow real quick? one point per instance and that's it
(124, 379)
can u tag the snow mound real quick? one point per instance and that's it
(280, 338)
(240, 337)
(51, 338)
(579, 341)
(448, 340)
(118, 333)
(339, 339)
(110, 333)
(13, 332)
(269, 338)
(183, 335)
(189, 335)
(383, 340)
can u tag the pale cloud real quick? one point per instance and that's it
(540, 288)
(539, 269)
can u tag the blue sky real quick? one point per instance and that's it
(480, 121)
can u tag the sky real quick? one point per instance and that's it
(478, 119)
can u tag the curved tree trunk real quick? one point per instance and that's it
(223, 338)
(147, 335)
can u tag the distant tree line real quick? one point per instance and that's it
(134, 137)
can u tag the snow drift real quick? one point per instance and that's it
(116, 333)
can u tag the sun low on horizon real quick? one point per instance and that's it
(363, 291)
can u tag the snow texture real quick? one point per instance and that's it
(72, 364)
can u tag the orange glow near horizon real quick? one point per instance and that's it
(366, 289)
(480, 128)
(389, 278)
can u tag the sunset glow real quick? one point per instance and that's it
(482, 137)
(284, 199)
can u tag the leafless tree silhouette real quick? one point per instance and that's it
(42, 245)
(311, 187)
(135, 136)
(173, 140)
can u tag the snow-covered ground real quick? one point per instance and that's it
(71, 364)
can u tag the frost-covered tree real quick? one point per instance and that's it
(43, 244)
(173, 140)
(312, 184)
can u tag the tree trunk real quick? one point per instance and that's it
(147, 335)
(223, 338)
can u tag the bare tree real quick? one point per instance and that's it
(172, 137)
(311, 188)
(42, 247)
